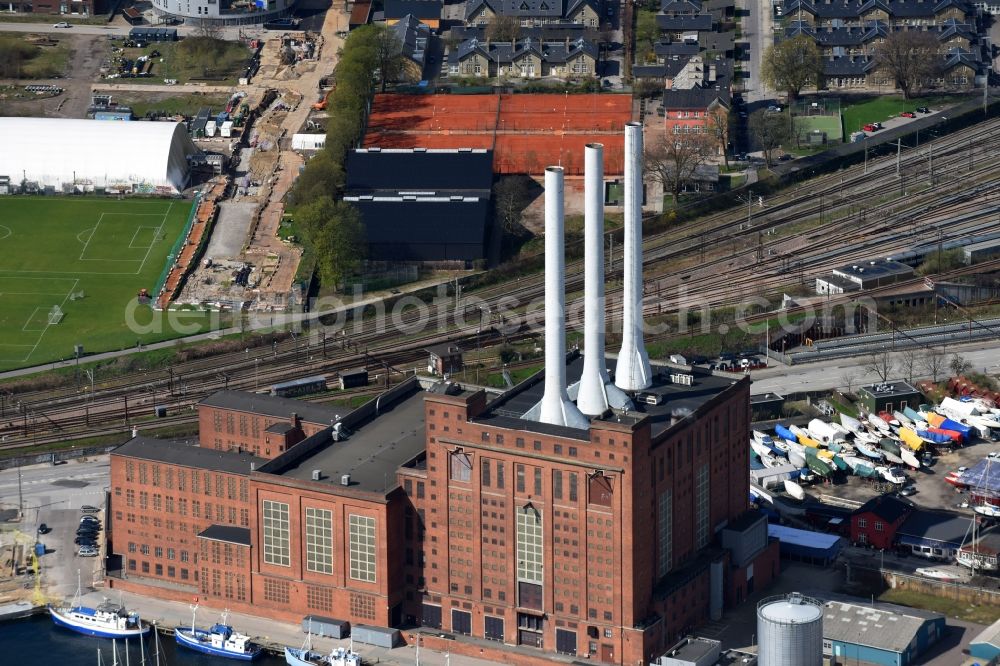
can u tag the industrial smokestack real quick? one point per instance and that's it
(595, 393)
(555, 407)
(633, 372)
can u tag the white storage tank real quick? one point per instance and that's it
(790, 631)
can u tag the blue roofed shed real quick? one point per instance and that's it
(804, 545)
(986, 645)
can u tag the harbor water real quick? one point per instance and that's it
(36, 640)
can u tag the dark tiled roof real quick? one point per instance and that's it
(505, 52)
(228, 533)
(187, 454)
(694, 98)
(520, 8)
(683, 50)
(255, 403)
(939, 526)
(413, 36)
(848, 66)
(888, 508)
(421, 9)
(681, 6)
(413, 170)
(895, 8)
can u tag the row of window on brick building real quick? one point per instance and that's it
(164, 476)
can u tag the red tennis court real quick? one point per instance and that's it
(528, 132)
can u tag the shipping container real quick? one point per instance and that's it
(379, 636)
(326, 627)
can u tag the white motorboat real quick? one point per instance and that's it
(794, 489)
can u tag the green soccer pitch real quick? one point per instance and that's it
(70, 267)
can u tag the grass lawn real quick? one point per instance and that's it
(203, 59)
(89, 257)
(24, 59)
(963, 610)
(187, 105)
(879, 109)
(829, 124)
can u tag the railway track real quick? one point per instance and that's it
(57, 413)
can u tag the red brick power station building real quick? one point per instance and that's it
(445, 509)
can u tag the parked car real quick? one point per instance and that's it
(44, 529)
(923, 109)
(85, 541)
(61, 24)
(86, 508)
(909, 490)
(872, 127)
(774, 108)
(908, 114)
(786, 157)
(89, 519)
(87, 551)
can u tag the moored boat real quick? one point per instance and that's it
(868, 451)
(108, 620)
(794, 489)
(909, 459)
(219, 641)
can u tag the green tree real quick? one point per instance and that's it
(720, 127)
(324, 177)
(769, 131)
(792, 64)
(335, 234)
(503, 28)
(646, 31)
(673, 161)
(942, 262)
(909, 58)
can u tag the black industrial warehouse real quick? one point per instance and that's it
(422, 205)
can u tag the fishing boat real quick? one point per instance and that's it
(878, 423)
(860, 466)
(781, 446)
(794, 489)
(903, 419)
(868, 451)
(762, 437)
(219, 641)
(109, 620)
(785, 433)
(891, 475)
(806, 475)
(771, 461)
(889, 444)
(893, 458)
(818, 466)
(909, 459)
(913, 415)
(760, 448)
(839, 462)
(307, 657)
(988, 510)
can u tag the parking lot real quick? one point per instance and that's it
(931, 490)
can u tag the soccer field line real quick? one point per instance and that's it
(25, 329)
(92, 234)
(155, 234)
(133, 246)
(48, 324)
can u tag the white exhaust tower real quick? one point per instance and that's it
(595, 393)
(633, 372)
(555, 407)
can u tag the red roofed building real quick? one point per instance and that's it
(876, 521)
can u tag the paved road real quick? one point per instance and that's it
(230, 32)
(829, 374)
(757, 28)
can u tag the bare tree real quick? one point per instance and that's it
(909, 57)
(673, 160)
(388, 55)
(769, 131)
(908, 363)
(510, 197)
(503, 29)
(792, 64)
(847, 378)
(959, 365)
(720, 128)
(934, 363)
(208, 28)
(881, 363)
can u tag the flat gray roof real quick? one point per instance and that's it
(678, 399)
(270, 405)
(889, 389)
(858, 621)
(371, 453)
(227, 533)
(188, 454)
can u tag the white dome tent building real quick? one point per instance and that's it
(66, 155)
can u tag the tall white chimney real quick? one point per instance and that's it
(555, 407)
(633, 372)
(595, 392)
